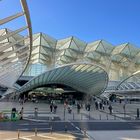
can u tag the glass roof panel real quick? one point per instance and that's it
(67, 52)
(35, 50)
(36, 42)
(42, 57)
(79, 43)
(12, 55)
(73, 46)
(41, 79)
(126, 51)
(94, 55)
(35, 56)
(119, 48)
(36, 81)
(74, 66)
(91, 68)
(92, 46)
(133, 50)
(65, 46)
(73, 53)
(16, 59)
(79, 67)
(60, 43)
(101, 48)
(9, 49)
(35, 36)
(96, 69)
(108, 47)
(44, 42)
(116, 58)
(138, 61)
(64, 58)
(85, 68)
(51, 41)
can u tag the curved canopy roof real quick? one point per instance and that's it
(84, 77)
(130, 83)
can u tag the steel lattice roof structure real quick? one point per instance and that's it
(119, 61)
(14, 53)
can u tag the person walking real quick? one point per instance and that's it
(21, 114)
(13, 113)
(78, 108)
(55, 108)
(36, 113)
(51, 107)
(110, 109)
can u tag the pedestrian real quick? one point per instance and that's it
(124, 107)
(21, 114)
(51, 107)
(100, 104)
(69, 108)
(120, 101)
(55, 108)
(110, 109)
(36, 113)
(78, 108)
(88, 107)
(13, 113)
(103, 106)
(96, 105)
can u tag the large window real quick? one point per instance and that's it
(35, 69)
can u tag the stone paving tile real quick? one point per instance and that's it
(41, 136)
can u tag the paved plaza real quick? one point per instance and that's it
(93, 124)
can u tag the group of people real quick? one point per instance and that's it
(53, 107)
(101, 106)
(87, 106)
(67, 105)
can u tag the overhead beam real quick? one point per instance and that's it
(13, 33)
(5, 20)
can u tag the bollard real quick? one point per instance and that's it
(107, 116)
(114, 117)
(73, 116)
(100, 117)
(89, 115)
(64, 113)
(35, 131)
(18, 134)
(65, 128)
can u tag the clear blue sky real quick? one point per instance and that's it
(117, 21)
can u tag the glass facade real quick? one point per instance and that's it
(35, 69)
(118, 61)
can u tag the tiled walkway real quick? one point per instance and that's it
(62, 115)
